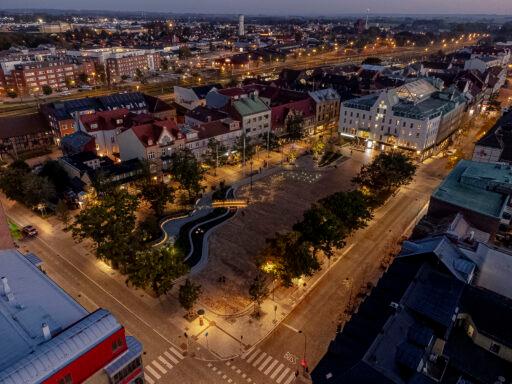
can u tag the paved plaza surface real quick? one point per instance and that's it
(240, 349)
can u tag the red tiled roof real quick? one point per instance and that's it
(106, 120)
(212, 129)
(153, 131)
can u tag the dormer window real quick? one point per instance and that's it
(94, 125)
(119, 121)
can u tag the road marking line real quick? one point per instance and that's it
(165, 362)
(256, 353)
(148, 379)
(290, 327)
(175, 351)
(171, 357)
(258, 360)
(267, 360)
(277, 371)
(269, 368)
(285, 372)
(150, 369)
(290, 378)
(99, 286)
(160, 368)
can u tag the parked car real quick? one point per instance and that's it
(29, 231)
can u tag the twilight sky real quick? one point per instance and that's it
(325, 7)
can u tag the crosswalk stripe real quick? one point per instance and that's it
(285, 372)
(274, 374)
(175, 351)
(290, 378)
(256, 353)
(171, 357)
(258, 360)
(269, 368)
(165, 362)
(152, 371)
(160, 368)
(148, 379)
(267, 360)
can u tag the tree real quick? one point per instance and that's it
(295, 127)
(351, 208)
(83, 78)
(188, 295)
(322, 229)
(12, 94)
(11, 180)
(385, 173)
(270, 140)
(156, 268)
(215, 154)
(56, 174)
(37, 190)
(317, 147)
(187, 171)
(258, 291)
(243, 144)
(47, 90)
(62, 212)
(184, 52)
(139, 75)
(157, 194)
(149, 229)
(164, 64)
(108, 220)
(291, 257)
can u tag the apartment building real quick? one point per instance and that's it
(28, 78)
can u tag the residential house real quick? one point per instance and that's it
(104, 127)
(193, 97)
(25, 134)
(153, 142)
(327, 107)
(225, 132)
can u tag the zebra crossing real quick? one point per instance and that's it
(268, 366)
(159, 367)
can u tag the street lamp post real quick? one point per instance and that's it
(304, 362)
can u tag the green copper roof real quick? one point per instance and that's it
(474, 186)
(250, 105)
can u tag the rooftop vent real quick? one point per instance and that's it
(46, 331)
(5, 286)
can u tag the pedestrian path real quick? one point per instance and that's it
(267, 365)
(162, 365)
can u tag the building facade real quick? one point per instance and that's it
(54, 339)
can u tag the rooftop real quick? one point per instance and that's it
(247, 106)
(31, 300)
(472, 185)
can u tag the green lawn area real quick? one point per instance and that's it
(15, 231)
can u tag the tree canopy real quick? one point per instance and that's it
(156, 268)
(187, 171)
(108, 220)
(188, 295)
(157, 194)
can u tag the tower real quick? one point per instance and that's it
(241, 30)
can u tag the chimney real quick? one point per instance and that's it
(150, 142)
(46, 331)
(5, 286)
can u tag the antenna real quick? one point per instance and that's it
(367, 15)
